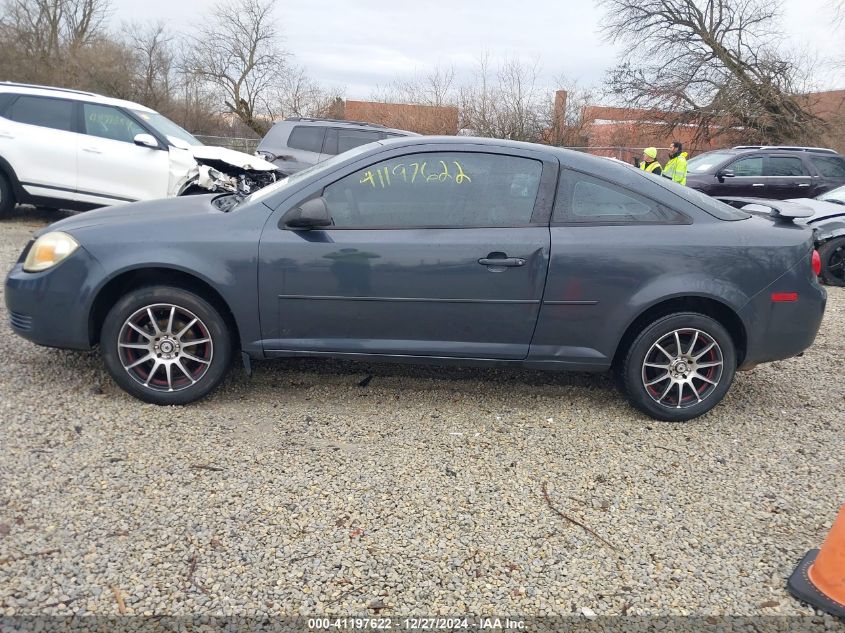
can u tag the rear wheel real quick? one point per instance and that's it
(679, 367)
(832, 255)
(166, 345)
(7, 197)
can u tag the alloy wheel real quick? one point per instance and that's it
(165, 347)
(682, 368)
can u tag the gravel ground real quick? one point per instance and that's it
(426, 491)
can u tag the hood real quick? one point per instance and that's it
(821, 209)
(221, 157)
(149, 211)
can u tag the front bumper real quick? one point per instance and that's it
(52, 308)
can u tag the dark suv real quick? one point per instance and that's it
(767, 172)
(297, 142)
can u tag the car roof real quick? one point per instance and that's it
(567, 157)
(66, 93)
(769, 149)
(343, 123)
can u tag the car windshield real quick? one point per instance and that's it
(261, 194)
(173, 133)
(706, 162)
(834, 195)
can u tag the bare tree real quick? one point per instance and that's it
(301, 95)
(564, 121)
(155, 59)
(239, 56)
(433, 88)
(713, 63)
(39, 36)
(505, 103)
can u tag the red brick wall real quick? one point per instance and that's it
(636, 128)
(414, 118)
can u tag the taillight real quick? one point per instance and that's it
(817, 263)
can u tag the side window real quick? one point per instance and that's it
(308, 138)
(584, 199)
(829, 166)
(56, 114)
(347, 139)
(111, 123)
(751, 166)
(786, 166)
(339, 140)
(442, 189)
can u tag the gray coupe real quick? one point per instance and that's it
(427, 249)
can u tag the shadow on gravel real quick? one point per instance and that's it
(361, 370)
(359, 373)
(23, 214)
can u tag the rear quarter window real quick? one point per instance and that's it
(584, 199)
(829, 166)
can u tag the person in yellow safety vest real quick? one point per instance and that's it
(649, 162)
(676, 167)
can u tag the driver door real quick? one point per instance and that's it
(432, 253)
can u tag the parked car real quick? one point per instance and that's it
(72, 149)
(462, 250)
(298, 142)
(767, 172)
(828, 220)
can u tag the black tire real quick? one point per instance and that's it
(832, 254)
(174, 378)
(7, 196)
(717, 365)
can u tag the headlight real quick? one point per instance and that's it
(49, 250)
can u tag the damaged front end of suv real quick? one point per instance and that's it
(220, 170)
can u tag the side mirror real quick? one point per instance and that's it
(725, 173)
(146, 140)
(310, 214)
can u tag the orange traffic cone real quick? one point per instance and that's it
(819, 579)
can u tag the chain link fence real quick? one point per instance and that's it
(246, 145)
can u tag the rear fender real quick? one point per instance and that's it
(831, 229)
(671, 286)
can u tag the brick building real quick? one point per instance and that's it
(414, 118)
(621, 132)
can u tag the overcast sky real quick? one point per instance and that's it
(359, 45)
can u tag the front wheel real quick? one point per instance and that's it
(679, 367)
(166, 345)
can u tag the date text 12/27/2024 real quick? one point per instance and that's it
(417, 624)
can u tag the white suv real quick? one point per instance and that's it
(72, 149)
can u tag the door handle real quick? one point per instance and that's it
(758, 184)
(5, 134)
(92, 150)
(504, 262)
(806, 184)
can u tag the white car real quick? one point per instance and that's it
(71, 149)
